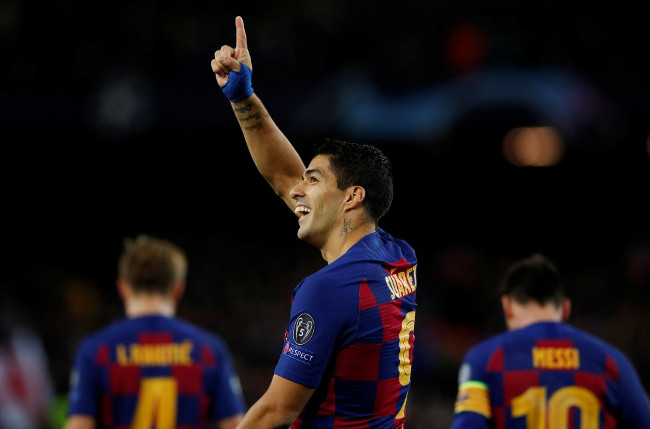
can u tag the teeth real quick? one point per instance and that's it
(302, 209)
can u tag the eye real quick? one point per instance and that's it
(312, 179)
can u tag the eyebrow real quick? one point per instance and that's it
(312, 171)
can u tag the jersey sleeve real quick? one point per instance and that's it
(229, 399)
(635, 404)
(323, 319)
(472, 408)
(83, 383)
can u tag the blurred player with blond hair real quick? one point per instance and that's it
(152, 369)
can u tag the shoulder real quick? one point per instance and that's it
(336, 284)
(593, 341)
(485, 349)
(329, 296)
(199, 334)
(389, 240)
(618, 364)
(103, 335)
(333, 285)
(607, 348)
(205, 337)
(476, 362)
(90, 346)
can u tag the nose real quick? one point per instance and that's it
(297, 190)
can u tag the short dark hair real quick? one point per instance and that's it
(359, 164)
(152, 264)
(534, 278)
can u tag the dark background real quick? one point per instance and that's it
(113, 125)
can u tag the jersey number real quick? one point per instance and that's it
(156, 404)
(532, 404)
(404, 367)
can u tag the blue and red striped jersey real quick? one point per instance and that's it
(549, 375)
(154, 372)
(351, 336)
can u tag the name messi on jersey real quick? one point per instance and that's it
(556, 358)
(155, 354)
(402, 283)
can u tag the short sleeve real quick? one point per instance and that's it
(82, 399)
(472, 408)
(634, 401)
(323, 320)
(228, 392)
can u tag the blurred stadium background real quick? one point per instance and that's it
(514, 127)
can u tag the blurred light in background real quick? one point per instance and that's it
(352, 104)
(123, 105)
(533, 147)
(465, 47)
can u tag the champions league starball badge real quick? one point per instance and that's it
(303, 329)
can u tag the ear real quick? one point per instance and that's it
(506, 304)
(177, 291)
(123, 289)
(566, 309)
(356, 194)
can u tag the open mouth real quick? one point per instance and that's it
(302, 212)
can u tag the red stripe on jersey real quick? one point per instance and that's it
(496, 361)
(328, 406)
(401, 265)
(205, 403)
(391, 319)
(296, 423)
(560, 343)
(102, 356)
(358, 362)
(207, 356)
(515, 383)
(592, 382)
(571, 418)
(387, 397)
(155, 338)
(366, 298)
(611, 369)
(609, 422)
(189, 378)
(107, 410)
(499, 416)
(340, 423)
(124, 379)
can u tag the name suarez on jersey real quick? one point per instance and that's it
(155, 354)
(556, 358)
(402, 283)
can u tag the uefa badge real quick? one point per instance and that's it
(303, 329)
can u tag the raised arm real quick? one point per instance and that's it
(273, 155)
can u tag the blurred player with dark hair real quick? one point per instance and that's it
(544, 373)
(348, 347)
(153, 370)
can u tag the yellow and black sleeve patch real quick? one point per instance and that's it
(473, 396)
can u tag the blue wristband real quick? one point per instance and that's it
(238, 87)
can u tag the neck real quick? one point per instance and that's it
(527, 314)
(149, 304)
(343, 238)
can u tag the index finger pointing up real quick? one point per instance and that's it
(241, 33)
